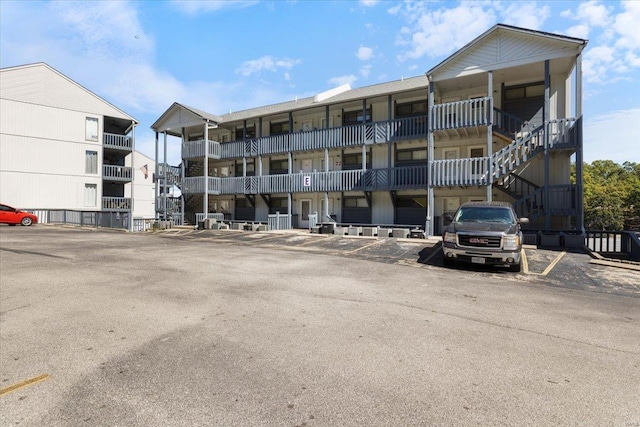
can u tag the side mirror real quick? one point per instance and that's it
(448, 217)
(523, 220)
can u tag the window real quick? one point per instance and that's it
(411, 202)
(90, 194)
(411, 156)
(355, 117)
(251, 133)
(534, 90)
(355, 202)
(91, 162)
(279, 128)
(279, 167)
(354, 161)
(476, 169)
(411, 109)
(251, 168)
(91, 129)
(242, 203)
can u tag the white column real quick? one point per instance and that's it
(133, 173)
(490, 137)
(430, 197)
(205, 199)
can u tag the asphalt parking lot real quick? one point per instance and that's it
(201, 327)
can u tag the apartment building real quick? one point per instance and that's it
(500, 119)
(62, 146)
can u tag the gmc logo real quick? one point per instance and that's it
(479, 241)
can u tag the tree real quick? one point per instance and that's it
(611, 195)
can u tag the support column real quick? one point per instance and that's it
(430, 198)
(490, 138)
(205, 199)
(133, 174)
(579, 149)
(156, 189)
(326, 194)
(164, 180)
(547, 154)
(183, 173)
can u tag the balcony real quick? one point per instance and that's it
(313, 140)
(116, 173)
(413, 177)
(460, 116)
(120, 204)
(196, 149)
(117, 142)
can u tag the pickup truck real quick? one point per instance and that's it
(484, 233)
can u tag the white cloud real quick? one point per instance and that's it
(365, 70)
(605, 139)
(369, 3)
(580, 31)
(340, 80)
(364, 53)
(525, 14)
(195, 7)
(626, 25)
(593, 13)
(441, 31)
(267, 63)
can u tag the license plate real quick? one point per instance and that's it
(477, 260)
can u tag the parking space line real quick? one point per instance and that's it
(24, 383)
(377, 242)
(525, 263)
(553, 263)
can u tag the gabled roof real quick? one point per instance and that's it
(179, 115)
(41, 84)
(505, 46)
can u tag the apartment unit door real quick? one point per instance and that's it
(305, 210)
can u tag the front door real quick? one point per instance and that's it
(305, 210)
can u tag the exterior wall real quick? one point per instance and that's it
(43, 150)
(143, 188)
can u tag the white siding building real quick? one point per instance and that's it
(62, 146)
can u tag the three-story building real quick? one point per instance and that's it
(500, 119)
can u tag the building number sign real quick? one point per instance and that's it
(307, 180)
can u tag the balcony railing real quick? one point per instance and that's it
(460, 172)
(195, 149)
(116, 173)
(171, 173)
(116, 204)
(318, 139)
(347, 180)
(118, 142)
(460, 114)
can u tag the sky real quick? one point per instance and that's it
(222, 56)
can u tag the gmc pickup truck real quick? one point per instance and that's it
(484, 233)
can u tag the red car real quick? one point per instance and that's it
(13, 216)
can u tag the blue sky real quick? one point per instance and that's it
(222, 56)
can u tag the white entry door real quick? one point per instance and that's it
(305, 210)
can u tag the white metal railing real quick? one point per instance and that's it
(407, 177)
(454, 172)
(279, 221)
(116, 203)
(119, 142)
(459, 114)
(116, 173)
(319, 139)
(195, 149)
(218, 216)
